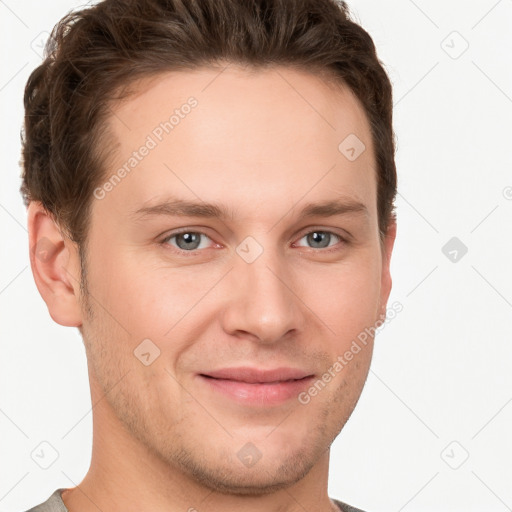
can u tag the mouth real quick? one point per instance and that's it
(257, 387)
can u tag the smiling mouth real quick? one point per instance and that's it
(253, 389)
(256, 382)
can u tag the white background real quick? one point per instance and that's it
(440, 388)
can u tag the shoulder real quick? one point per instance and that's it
(53, 504)
(346, 508)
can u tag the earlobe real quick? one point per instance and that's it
(55, 266)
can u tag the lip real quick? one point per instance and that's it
(254, 386)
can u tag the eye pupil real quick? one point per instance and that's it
(188, 240)
(319, 237)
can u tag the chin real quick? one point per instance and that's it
(233, 478)
(249, 482)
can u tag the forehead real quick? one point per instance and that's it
(252, 137)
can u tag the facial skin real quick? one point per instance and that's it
(263, 146)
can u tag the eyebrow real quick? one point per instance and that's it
(183, 208)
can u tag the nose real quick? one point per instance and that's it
(263, 300)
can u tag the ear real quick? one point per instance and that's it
(55, 265)
(387, 249)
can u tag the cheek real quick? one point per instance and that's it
(146, 300)
(345, 297)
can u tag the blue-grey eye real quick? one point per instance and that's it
(187, 241)
(321, 239)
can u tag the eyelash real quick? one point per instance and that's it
(195, 252)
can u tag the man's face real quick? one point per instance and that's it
(262, 287)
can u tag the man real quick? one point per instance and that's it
(210, 188)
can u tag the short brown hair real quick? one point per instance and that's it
(94, 53)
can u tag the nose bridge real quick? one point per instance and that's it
(263, 302)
